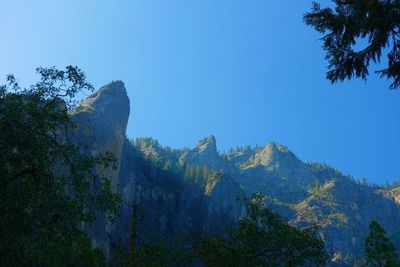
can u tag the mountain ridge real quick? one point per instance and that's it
(196, 189)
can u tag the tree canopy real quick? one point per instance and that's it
(356, 33)
(48, 187)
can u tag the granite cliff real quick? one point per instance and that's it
(183, 191)
(101, 122)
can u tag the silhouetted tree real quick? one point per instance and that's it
(351, 24)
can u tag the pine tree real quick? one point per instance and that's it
(379, 250)
(372, 24)
(197, 173)
(191, 171)
(316, 188)
(187, 172)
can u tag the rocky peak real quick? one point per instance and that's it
(205, 153)
(102, 119)
(276, 165)
(273, 155)
(269, 156)
(207, 145)
(271, 152)
(109, 99)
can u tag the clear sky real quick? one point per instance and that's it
(247, 72)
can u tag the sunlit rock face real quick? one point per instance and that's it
(173, 204)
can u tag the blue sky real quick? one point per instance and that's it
(247, 72)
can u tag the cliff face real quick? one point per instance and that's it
(171, 204)
(101, 122)
(168, 205)
(194, 190)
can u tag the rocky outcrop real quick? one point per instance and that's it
(393, 193)
(205, 153)
(276, 172)
(101, 122)
(342, 209)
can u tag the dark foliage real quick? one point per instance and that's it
(48, 188)
(263, 238)
(355, 22)
(379, 250)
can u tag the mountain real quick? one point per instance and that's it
(189, 191)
